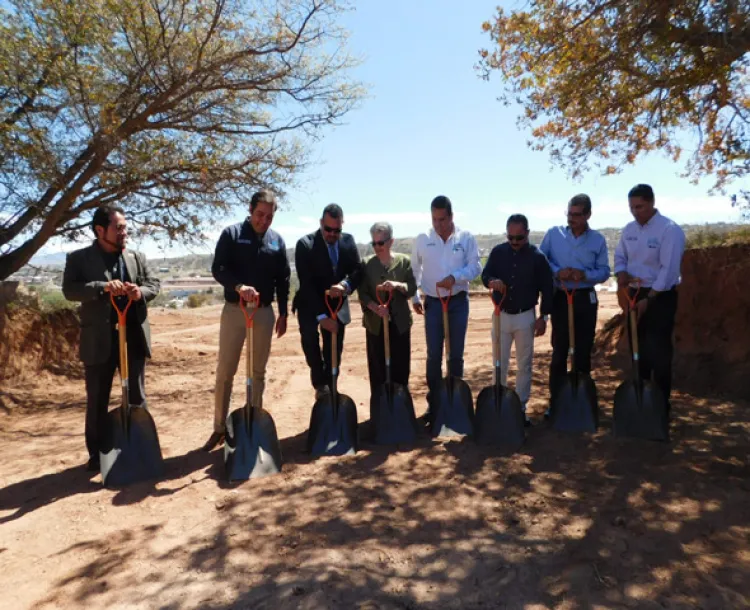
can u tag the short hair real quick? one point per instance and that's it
(382, 227)
(582, 200)
(441, 202)
(333, 210)
(518, 219)
(263, 196)
(102, 216)
(644, 191)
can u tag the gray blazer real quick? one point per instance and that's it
(84, 279)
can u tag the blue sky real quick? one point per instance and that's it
(431, 126)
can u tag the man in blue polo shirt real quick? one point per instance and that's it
(578, 257)
(250, 260)
(647, 260)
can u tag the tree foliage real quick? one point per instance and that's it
(176, 109)
(603, 81)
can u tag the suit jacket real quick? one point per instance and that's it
(316, 274)
(84, 279)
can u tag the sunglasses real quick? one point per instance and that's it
(328, 229)
(516, 237)
(382, 242)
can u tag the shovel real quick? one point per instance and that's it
(640, 406)
(499, 420)
(452, 403)
(251, 448)
(131, 450)
(391, 406)
(574, 407)
(333, 422)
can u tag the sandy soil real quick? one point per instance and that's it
(568, 522)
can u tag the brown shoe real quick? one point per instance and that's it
(215, 440)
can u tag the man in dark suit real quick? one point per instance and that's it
(91, 275)
(326, 260)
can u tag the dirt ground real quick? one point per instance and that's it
(568, 522)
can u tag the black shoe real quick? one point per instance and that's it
(215, 440)
(93, 465)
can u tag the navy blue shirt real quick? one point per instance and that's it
(526, 273)
(244, 257)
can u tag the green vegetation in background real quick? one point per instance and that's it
(708, 238)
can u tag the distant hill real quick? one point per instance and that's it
(202, 263)
(196, 265)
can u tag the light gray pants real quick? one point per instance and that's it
(519, 328)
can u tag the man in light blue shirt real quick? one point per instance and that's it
(647, 261)
(578, 257)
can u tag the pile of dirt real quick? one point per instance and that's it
(32, 340)
(712, 329)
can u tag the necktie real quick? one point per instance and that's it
(334, 254)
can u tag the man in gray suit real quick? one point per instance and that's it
(91, 276)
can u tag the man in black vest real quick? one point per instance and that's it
(326, 260)
(91, 275)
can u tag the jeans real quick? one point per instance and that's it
(458, 320)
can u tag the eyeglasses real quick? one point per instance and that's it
(516, 237)
(382, 242)
(328, 229)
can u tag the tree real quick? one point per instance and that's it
(604, 81)
(176, 109)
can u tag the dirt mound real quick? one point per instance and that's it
(712, 329)
(32, 340)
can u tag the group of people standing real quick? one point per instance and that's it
(251, 263)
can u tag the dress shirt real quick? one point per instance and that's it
(652, 252)
(587, 253)
(433, 259)
(525, 273)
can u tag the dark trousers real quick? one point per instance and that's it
(319, 361)
(655, 347)
(400, 357)
(99, 387)
(584, 320)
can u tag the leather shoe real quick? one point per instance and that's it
(215, 440)
(321, 392)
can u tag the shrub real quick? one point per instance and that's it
(198, 299)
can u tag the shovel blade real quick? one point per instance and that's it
(392, 415)
(333, 429)
(133, 454)
(575, 407)
(251, 451)
(452, 407)
(499, 419)
(640, 412)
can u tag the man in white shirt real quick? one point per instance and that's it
(648, 259)
(447, 258)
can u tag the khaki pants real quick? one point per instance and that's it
(518, 328)
(231, 344)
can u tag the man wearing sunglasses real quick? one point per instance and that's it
(326, 260)
(446, 258)
(578, 257)
(520, 272)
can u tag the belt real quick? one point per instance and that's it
(460, 293)
(260, 305)
(516, 311)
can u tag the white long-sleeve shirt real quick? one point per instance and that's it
(652, 252)
(433, 259)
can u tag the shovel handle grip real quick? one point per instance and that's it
(380, 289)
(443, 300)
(569, 294)
(334, 311)
(498, 304)
(249, 315)
(121, 313)
(121, 317)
